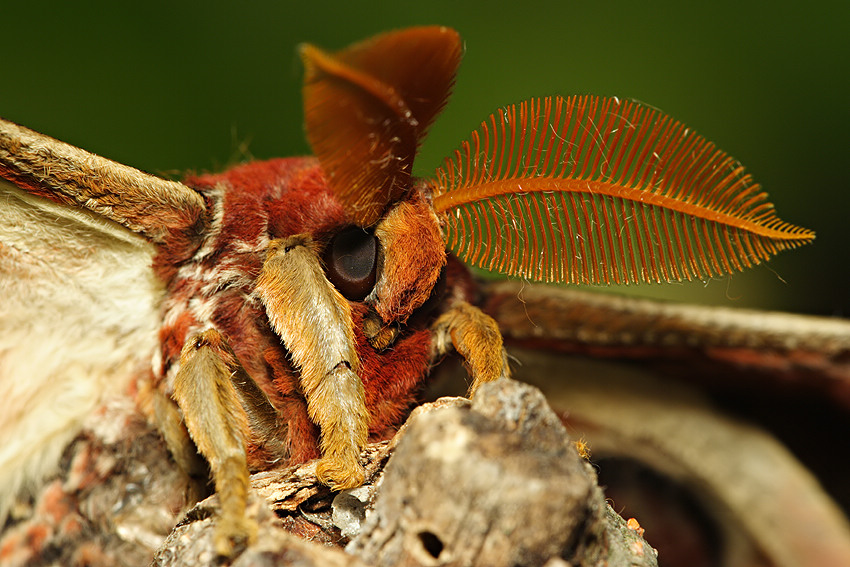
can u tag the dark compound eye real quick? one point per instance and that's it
(351, 262)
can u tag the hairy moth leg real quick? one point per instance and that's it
(204, 389)
(314, 322)
(476, 337)
(170, 423)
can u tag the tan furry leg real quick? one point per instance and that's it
(314, 322)
(476, 337)
(169, 421)
(218, 425)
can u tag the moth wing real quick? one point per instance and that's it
(80, 311)
(664, 415)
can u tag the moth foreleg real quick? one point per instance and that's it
(218, 424)
(314, 322)
(476, 337)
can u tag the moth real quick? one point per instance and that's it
(292, 309)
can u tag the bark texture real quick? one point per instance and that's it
(495, 481)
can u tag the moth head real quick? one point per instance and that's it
(583, 189)
(394, 266)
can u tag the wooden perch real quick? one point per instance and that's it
(493, 482)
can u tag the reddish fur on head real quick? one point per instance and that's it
(255, 203)
(413, 255)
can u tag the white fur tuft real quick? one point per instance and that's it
(79, 308)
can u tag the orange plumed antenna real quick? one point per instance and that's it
(600, 190)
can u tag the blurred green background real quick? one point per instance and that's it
(169, 87)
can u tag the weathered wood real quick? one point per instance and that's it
(495, 482)
(114, 500)
(191, 544)
(491, 482)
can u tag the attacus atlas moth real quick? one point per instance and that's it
(293, 309)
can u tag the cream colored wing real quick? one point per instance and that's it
(79, 313)
(80, 302)
(78, 320)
